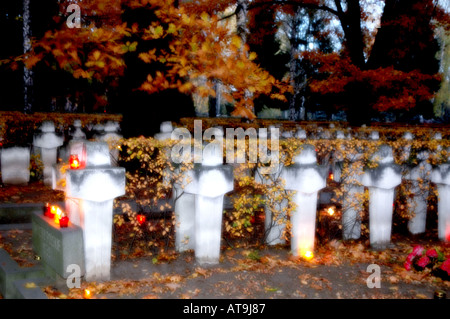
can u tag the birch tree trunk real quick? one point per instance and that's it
(297, 74)
(27, 73)
(243, 32)
(241, 20)
(442, 98)
(293, 64)
(218, 102)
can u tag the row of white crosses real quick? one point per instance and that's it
(48, 145)
(15, 161)
(199, 217)
(199, 204)
(382, 182)
(90, 189)
(307, 178)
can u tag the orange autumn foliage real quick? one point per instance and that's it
(198, 45)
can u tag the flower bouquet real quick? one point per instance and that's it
(431, 260)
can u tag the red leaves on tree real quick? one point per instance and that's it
(395, 89)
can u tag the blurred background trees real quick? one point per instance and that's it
(241, 57)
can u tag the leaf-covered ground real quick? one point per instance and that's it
(34, 192)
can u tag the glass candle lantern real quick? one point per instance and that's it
(64, 221)
(141, 219)
(74, 162)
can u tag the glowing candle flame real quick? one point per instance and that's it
(50, 211)
(330, 211)
(140, 218)
(87, 294)
(308, 255)
(58, 214)
(74, 162)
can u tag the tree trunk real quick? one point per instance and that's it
(384, 36)
(243, 31)
(218, 89)
(241, 19)
(293, 66)
(351, 24)
(27, 73)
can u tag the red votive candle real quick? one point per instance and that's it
(141, 219)
(50, 211)
(64, 221)
(47, 210)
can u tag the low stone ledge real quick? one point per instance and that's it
(10, 272)
(30, 288)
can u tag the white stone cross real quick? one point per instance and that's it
(441, 176)
(47, 142)
(381, 182)
(306, 178)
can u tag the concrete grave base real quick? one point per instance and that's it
(57, 247)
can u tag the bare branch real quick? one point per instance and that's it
(338, 13)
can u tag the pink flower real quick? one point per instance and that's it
(423, 261)
(410, 257)
(432, 253)
(446, 266)
(407, 265)
(417, 250)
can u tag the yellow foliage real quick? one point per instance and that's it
(155, 175)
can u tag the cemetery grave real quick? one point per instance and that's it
(303, 151)
(336, 203)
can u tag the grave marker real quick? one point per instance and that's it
(47, 143)
(15, 162)
(381, 182)
(306, 178)
(57, 247)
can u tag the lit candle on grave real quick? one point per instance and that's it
(50, 211)
(64, 220)
(308, 255)
(141, 219)
(74, 162)
(330, 211)
(47, 210)
(87, 294)
(58, 215)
